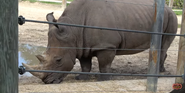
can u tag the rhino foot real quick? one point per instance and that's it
(82, 77)
(103, 77)
(162, 69)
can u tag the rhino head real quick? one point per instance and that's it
(55, 57)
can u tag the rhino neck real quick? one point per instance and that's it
(76, 33)
(76, 13)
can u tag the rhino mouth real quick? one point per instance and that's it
(52, 79)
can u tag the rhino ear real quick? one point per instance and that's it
(40, 58)
(51, 18)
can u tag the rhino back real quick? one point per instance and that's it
(121, 14)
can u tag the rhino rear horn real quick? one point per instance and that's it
(40, 58)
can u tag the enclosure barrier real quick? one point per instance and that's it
(22, 20)
(22, 70)
(9, 48)
(155, 46)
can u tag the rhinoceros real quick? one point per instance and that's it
(103, 44)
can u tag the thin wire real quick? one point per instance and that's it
(127, 3)
(100, 91)
(81, 48)
(130, 3)
(95, 48)
(112, 74)
(104, 28)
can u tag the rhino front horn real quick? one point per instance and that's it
(37, 74)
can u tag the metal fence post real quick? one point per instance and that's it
(181, 54)
(155, 46)
(9, 46)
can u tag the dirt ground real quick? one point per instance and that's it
(36, 34)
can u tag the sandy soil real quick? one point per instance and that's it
(36, 34)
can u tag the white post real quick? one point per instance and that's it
(64, 4)
(171, 3)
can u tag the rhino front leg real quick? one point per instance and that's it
(105, 59)
(86, 64)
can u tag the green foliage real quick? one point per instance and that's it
(167, 2)
(176, 3)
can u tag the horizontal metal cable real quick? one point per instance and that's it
(103, 91)
(96, 48)
(112, 1)
(112, 74)
(130, 3)
(80, 48)
(124, 2)
(22, 70)
(22, 20)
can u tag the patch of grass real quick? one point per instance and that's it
(70, 0)
(56, 3)
(179, 25)
(178, 12)
(31, 1)
(177, 9)
(50, 2)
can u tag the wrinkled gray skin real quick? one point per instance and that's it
(103, 14)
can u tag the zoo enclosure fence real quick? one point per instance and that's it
(22, 70)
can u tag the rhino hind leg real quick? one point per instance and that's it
(163, 58)
(105, 59)
(86, 64)
(166, 42)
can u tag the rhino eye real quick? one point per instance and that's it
(62, 29)
(58, 59)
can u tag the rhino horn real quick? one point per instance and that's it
(40, 58)
(37, 74)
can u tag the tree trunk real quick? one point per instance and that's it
(181, 54)
(9, 46)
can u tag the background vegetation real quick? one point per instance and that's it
(177, 4)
